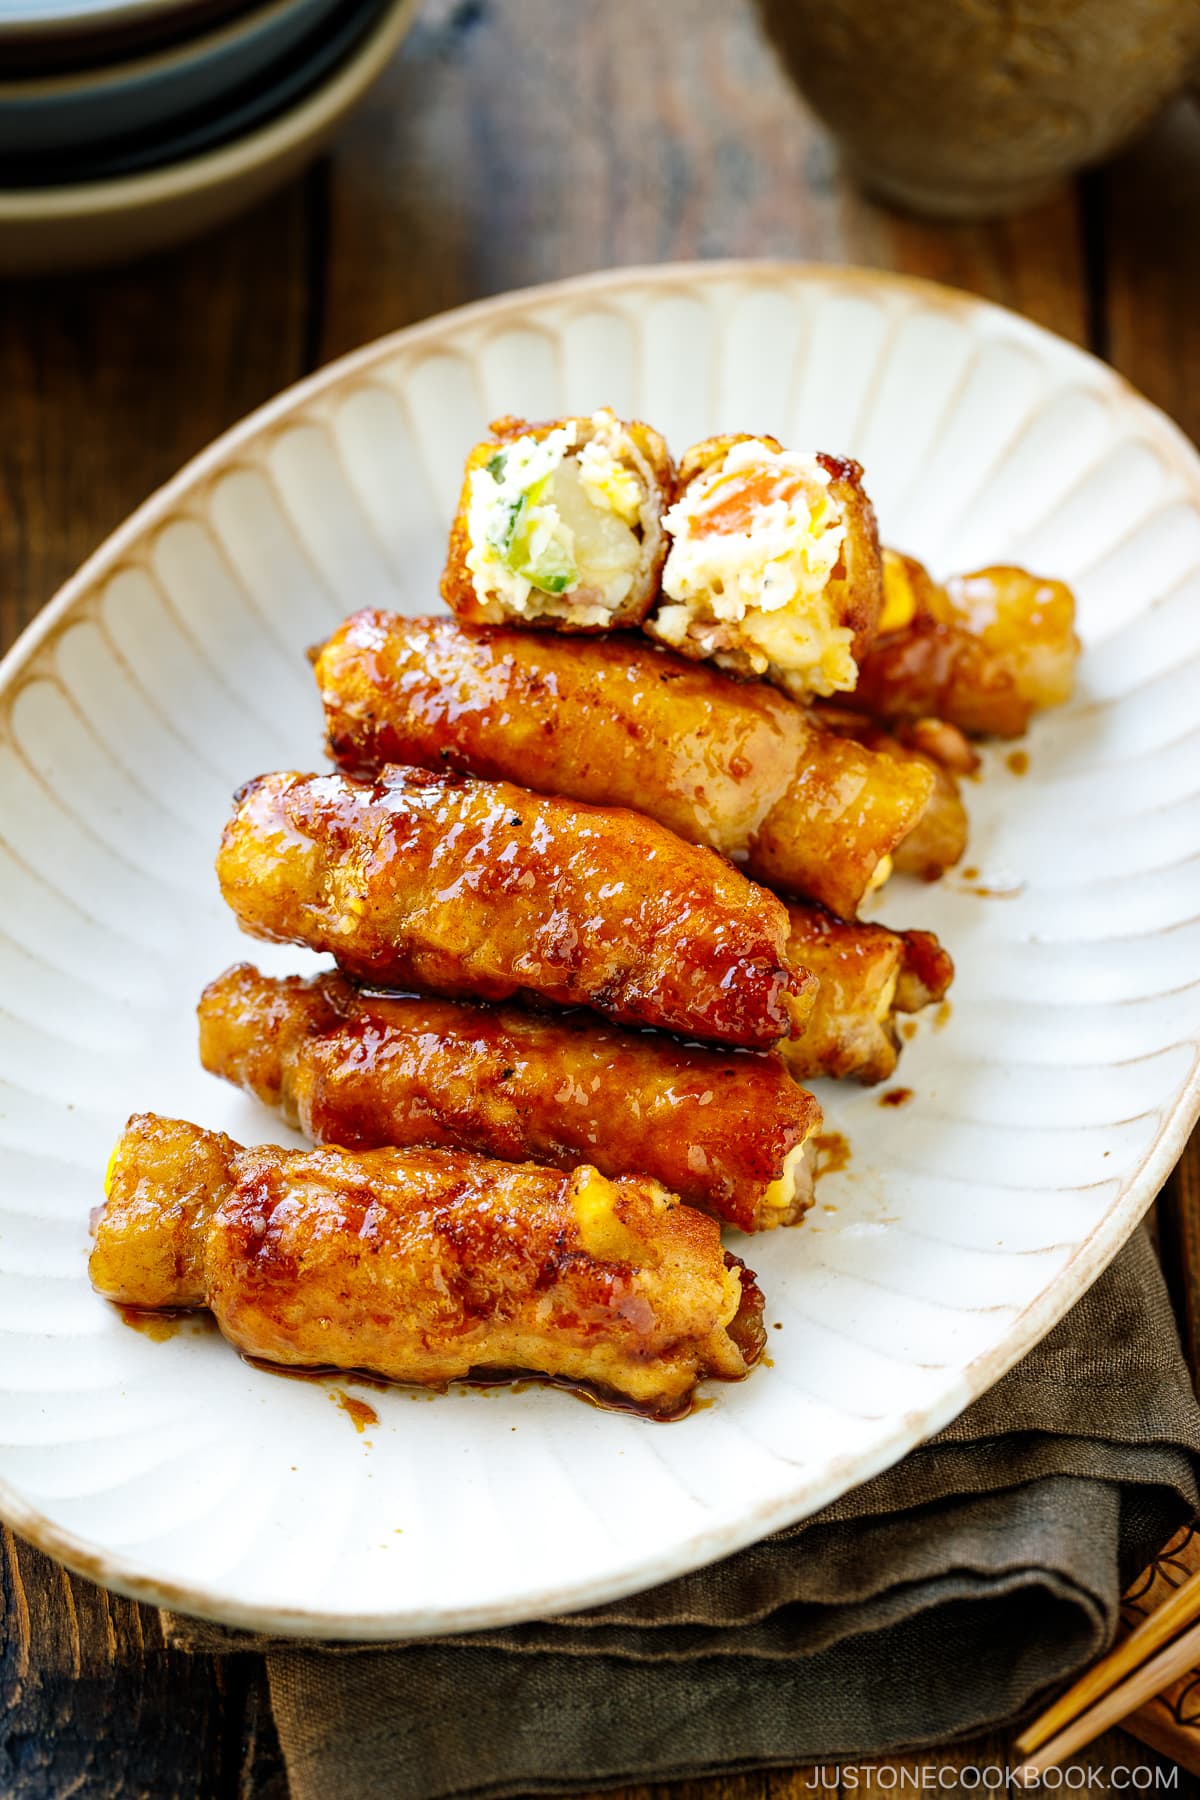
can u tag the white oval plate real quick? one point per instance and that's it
(1046, 1113)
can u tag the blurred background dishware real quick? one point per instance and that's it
(120, 153)
(51, 126)
(39, 36)
(975, 108)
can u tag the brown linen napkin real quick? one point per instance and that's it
(948, 1595)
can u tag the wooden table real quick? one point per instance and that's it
(506, 145)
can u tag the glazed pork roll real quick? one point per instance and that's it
(560, 525)
(939, 838)
(484, 890)
(726, 1132)
(613, 721)
(868, 974)
(427, 1266)
(984, 651)
(773, 566)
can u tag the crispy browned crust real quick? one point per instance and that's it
(367, 1070)
(484, 890)
(457, 586)
(984, 652)
(931, 667)
(166, 1179)
(426, 1265)
(925, 973)
(735, 765)
(857, 579)
(852, 1030)
(848, 807)
(856, 584)
(939, 838)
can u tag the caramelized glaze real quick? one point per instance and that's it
(939, 837)
(462, 887)
(427, 1265)
(614, 721)
(487, 1381)
(158, 1326)
(867, 975)
(366, 1070)
(984, 651)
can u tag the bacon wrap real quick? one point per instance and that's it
(725, 1131)
(868, 974)
(427, 1265)
(985, 650)
(939, 838)
(483, 890)
(613, 721)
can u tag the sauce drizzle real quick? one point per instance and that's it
(359, 1412)
(831, 1153)
(159, 1325)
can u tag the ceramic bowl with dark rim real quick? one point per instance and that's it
(67, 121)
(203, 176)
(61, 35)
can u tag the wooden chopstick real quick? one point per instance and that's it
(1150, 1679)
(1164, 1623)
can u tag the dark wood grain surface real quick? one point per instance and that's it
(506, 145)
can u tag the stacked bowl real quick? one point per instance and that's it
(126, 125)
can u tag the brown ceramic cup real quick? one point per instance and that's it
(971, 108)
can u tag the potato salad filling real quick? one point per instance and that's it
(754, 540)
(556, 526)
